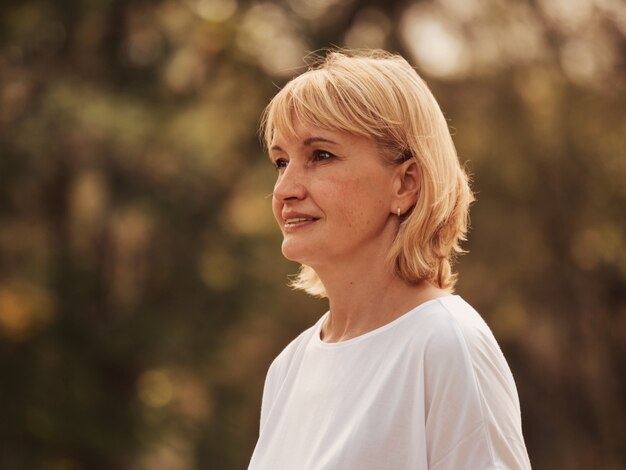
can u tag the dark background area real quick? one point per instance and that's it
(142, 290)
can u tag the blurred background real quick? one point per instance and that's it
(142, 290)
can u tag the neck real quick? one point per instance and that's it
(363, 297)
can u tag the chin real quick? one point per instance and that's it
(299, 254)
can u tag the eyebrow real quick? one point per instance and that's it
(308, 141)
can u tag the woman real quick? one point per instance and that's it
(372, 201)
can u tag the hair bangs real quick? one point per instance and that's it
(318, 100)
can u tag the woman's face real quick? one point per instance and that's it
(332, 197)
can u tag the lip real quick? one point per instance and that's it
(293, 220)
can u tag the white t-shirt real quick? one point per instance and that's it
(430, 390)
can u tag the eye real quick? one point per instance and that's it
(321, 155)
(280, 163)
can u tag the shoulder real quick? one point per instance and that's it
(461, 351)
(281, 364)
(470, 394)
(452, 326)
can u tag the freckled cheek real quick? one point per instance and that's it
(352, 200)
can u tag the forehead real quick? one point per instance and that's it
(308, 137)
(294, 124)
(303, 133)
(294, 130)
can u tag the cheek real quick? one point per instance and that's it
(277, 208)
(358, 201)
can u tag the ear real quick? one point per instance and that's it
(406, 186)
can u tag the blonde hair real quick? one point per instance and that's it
(379, 95)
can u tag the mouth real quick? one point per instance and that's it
(299, 221)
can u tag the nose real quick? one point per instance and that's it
(291, 184)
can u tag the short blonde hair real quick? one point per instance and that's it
(379, 95)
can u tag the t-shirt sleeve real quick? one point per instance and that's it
(472, 409)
